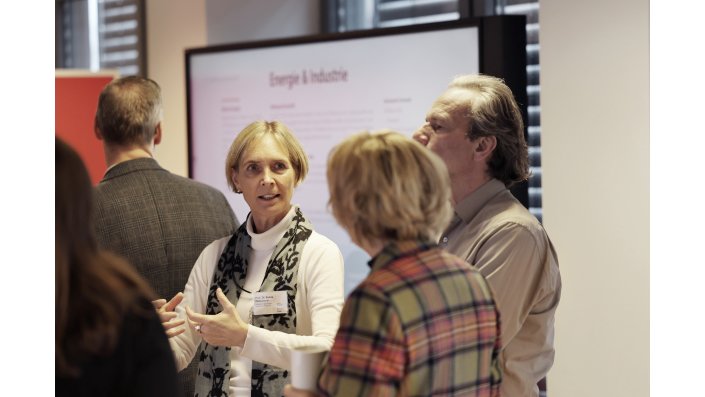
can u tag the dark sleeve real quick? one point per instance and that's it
(154, 370)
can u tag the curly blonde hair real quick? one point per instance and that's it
(384, 186)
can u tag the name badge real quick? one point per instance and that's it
(270, 303)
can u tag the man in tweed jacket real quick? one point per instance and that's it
(159, 221)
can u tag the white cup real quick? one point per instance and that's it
(306, 363)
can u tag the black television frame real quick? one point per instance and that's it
(502, 47)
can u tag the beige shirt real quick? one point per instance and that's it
(495, 233)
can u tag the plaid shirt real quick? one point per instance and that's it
(423, 323)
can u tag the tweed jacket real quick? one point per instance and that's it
(160, 222)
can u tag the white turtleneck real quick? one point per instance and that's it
(318, 302)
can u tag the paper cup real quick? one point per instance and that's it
(306, 363)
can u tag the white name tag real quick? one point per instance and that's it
(270, 303)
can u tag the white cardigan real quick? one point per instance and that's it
(319, 300)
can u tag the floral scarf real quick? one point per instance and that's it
(213, 375)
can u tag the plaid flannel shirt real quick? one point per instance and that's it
(423, 323)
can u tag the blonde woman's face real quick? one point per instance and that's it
(267, 181)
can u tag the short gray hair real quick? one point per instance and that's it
(129, 110)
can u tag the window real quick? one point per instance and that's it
(531, 10)
(346, 15)
(101, 34)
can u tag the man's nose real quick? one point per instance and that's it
(423, 134)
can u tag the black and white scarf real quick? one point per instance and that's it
(281, 275)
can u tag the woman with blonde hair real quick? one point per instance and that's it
(274, 285)
(423, 322)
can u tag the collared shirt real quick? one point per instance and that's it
(422, 323)
(495, 233)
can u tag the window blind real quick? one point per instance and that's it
(121, 30)
(345, 15)
(101, 34)
(533, 90)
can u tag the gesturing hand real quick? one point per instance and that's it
(223, 329)
(165, 309)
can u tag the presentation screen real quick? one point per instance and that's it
(323, 88)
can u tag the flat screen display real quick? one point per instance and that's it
(324, 90)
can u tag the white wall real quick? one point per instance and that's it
(595, 158)
(595, 146)
(173, 26)
(248, 20)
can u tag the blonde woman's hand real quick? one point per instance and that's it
(172, 326)
(223, 329)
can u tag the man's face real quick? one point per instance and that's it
(445, 131)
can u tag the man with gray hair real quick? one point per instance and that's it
(159, 221)
(476, 127)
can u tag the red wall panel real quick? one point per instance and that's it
(75, 103)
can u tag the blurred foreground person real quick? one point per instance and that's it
(109, 340)
(423, 322)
